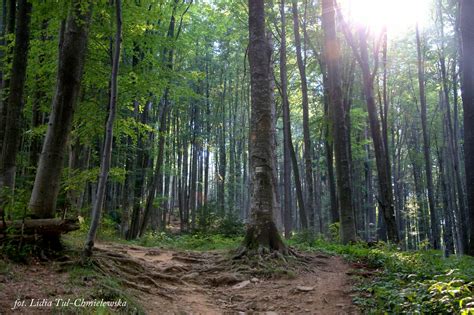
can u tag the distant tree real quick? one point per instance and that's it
(435, 235)
(307, 153)
(386, 201)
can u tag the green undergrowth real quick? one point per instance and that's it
(414, 282)
(198, 242)
(222, 236)
(99, 287)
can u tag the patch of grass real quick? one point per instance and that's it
(198, 242)
(407, 282)
(101, 287)
(5, 267)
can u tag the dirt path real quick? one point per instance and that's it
(322, 286)
(185, 282)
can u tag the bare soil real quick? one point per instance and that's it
(185, 282)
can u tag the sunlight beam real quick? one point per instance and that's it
(397, 15)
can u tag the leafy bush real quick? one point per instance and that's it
(15, 204)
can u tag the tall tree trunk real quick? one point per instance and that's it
(340, 132)
(38, 116)
(71, 64)
(15, 104)
(139, 177)
(448, 228)
(385, 182)
(467, 89)
(262, 234)
(3, 28)
(452, 147)
(329, 150)
(308, 162)
(434, 235)
(157, 180)
(287, 211)
(107, 151)
(9, 13)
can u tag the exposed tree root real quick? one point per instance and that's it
(134, 273)
(189, 259)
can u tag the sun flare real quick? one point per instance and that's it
(397, 15)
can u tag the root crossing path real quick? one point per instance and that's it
(184, 282)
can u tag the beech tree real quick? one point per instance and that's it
(107, 151)
(339, 123)
(262, 234)
(70, 69)
(435, 235)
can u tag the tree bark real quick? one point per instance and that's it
(15, 103)
(262, 234)
(340, 127)
(385, 182)
(107, 151)
(467, 89)
(435, 235)
(287, 211)
(71, 64)
(9, 14)
(306, 134)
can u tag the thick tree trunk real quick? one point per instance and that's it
(467, 88)
(71, 63)
(339, 123)
(107, 151)
(15, 103)
(262, 234)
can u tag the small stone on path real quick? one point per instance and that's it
(304, 289)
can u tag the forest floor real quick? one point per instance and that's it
(163, 281)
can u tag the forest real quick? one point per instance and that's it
(216, 156)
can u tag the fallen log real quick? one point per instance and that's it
(39, 226)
